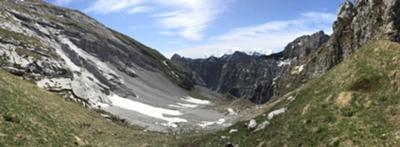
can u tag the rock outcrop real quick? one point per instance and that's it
(304, 45)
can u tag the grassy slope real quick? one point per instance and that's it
(319, 116)
(30, 116)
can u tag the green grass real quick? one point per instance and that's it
(315, 118)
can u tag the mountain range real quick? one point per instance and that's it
(67, 79)
(250, 76)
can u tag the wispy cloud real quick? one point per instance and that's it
(191, 18)
(110, 6)
(272, 35)
(62, 2)
(139, 9)
(184, 18)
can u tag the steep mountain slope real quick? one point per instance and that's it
(65, 51)
(30, 116)
(251, 76)
(354, 104)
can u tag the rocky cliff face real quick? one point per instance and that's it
(251, 76)
(356, 24)
(66, 51)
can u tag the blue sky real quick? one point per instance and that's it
(200, 28)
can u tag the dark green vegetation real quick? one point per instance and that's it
(357, 103)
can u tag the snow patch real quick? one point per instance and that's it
(148, 110)
(175, 106)
(205, 124)
(187, 105)
(196, 101)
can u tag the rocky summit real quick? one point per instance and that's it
(251, 76)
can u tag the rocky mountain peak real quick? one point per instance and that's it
(303, 45)
(176, 57)
(346, 10)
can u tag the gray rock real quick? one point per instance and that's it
(233, 131)
(262, 126)
(252, 124)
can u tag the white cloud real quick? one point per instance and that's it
(110, 6)
(270, 35)
(139, 9)
(184, 18)
(319, 15)
(191, 18)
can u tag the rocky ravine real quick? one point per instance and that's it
(65, 51)
(251, 76)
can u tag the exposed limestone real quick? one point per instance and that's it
(252, 124)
